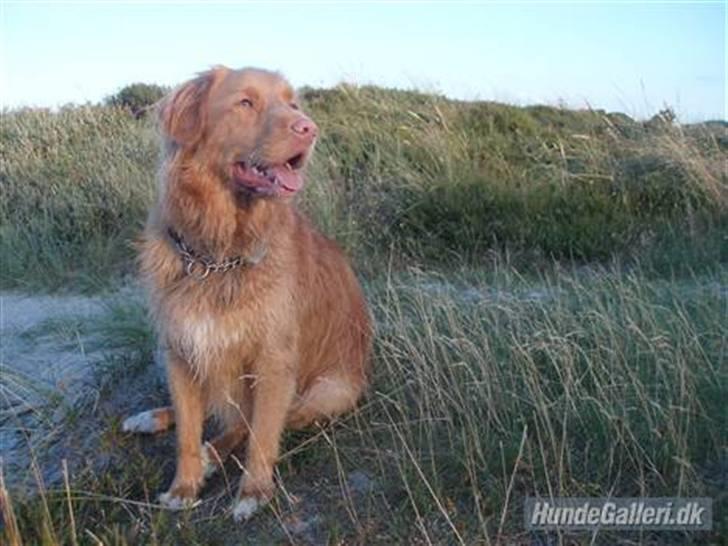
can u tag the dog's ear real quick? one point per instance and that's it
(183, 113)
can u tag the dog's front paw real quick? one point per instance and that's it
(253, 495)
(176, 502)
(179, 498)
(247, 506)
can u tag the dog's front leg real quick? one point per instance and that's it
(272, 396)
(189, 408)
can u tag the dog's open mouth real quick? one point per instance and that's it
(280, 179)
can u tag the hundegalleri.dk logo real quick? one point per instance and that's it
(629, 513)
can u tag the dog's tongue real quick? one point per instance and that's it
(291, 181)
(287, 181)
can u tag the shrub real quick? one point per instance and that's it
(137, 97)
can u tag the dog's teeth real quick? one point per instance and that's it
(288, 166)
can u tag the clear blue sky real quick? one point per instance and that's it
(634, 57)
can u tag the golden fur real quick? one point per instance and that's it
(281, 343)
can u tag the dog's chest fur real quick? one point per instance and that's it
(206, 328)
(203, 337)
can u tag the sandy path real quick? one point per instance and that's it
(41, 338)
(46, 369)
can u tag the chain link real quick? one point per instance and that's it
(200, 267)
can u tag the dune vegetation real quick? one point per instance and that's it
(396, 173)
(550, 289)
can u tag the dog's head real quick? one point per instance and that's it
(246, 125)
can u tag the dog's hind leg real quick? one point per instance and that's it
(232, 408)
(328, 397)
(217, 450)
(150, 421)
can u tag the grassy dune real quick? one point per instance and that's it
(396, 173)
(550, 292)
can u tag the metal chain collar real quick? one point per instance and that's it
(200, 266)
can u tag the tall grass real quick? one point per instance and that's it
(579, 384)
(488, 387)
(75, 189)
(404, 172)
(555, 370)
(439, 178)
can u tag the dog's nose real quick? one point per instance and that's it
(304, 127)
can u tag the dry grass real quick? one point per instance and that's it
(488, 387)
(578, 347)
(418, 175)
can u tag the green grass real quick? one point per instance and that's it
(395, 173)
(437, 179)
(75, 189)
(578, 347)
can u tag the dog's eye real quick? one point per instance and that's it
(294, 106)
(246, 103)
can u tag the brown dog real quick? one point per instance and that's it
(262, 319)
